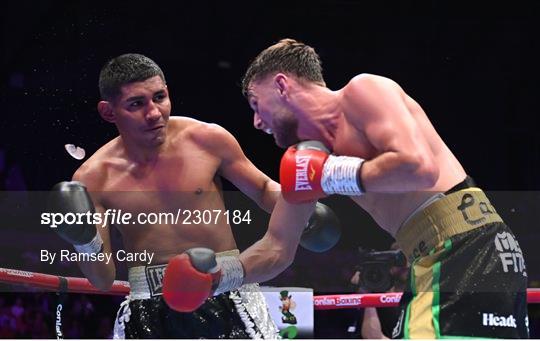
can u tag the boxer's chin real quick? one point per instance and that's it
(286, 140)
(285, 133)
(159, 139)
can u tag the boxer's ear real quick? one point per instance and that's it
(106, 111)
(282, 84)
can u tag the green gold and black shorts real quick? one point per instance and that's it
(467, 278)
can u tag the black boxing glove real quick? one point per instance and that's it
(323, 230)
(72, 197)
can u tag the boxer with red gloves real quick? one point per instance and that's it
(410, 183)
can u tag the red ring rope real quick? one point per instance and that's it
(323, 302)
(55, 283)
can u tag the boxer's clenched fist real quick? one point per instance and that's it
(309, 172)
(197, 274)
(72, 197)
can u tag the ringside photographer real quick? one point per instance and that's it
(379, 271)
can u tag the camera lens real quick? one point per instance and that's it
(373, 275)
(376, 278)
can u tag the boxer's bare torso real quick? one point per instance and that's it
(182, 176)
(372, 118)
(389, 209)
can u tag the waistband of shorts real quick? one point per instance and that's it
(458, 212)
(147, 281)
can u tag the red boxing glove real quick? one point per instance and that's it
(192, 277)
(185, 288)
(301, 170)
(308, 172)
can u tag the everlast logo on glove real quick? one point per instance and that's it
(302, 179)
(301, 171)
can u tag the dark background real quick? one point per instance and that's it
(473, 68)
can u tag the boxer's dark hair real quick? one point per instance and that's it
(124, 69)
(287, 56)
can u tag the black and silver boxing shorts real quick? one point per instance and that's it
(145, 314)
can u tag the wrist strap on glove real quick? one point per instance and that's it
(341, 175)
(232, 274)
